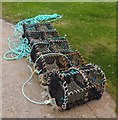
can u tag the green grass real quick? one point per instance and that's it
(90, 28)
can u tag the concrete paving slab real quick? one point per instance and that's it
(14, 105)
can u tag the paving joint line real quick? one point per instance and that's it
(92, 111)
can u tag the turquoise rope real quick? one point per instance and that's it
(18, 52)
(21, 48)
(31, 21)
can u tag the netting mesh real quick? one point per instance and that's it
(64, 68)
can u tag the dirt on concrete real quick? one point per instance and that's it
(14, 105)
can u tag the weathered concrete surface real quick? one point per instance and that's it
(14, 105)
(0, 69)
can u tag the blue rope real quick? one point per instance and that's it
(21, 48)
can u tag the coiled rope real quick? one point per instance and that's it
(21, 48)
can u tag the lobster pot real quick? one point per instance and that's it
(38, 27)
(39, 32)
(48, 46)
(44, 26)
(50, 61)
(74, 87)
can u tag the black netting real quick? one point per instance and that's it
(70, 80)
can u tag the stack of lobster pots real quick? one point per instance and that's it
(70, 81)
